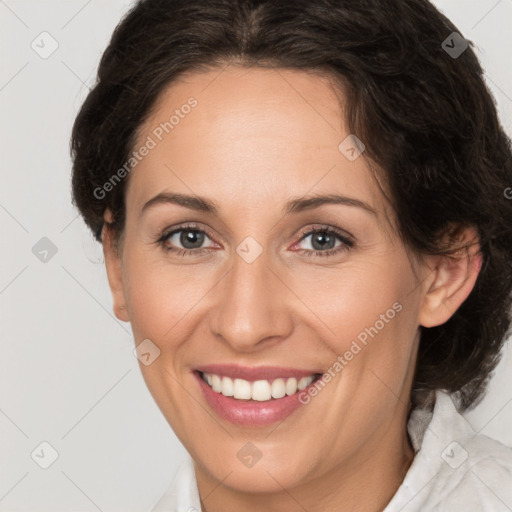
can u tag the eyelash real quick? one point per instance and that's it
(347, 242)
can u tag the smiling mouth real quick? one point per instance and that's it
(258, 390)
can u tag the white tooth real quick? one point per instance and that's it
(227, 386)
(303, 383)
(291, 386)
(261, 390)
(216, 383)
(242, 389)
(278, 388)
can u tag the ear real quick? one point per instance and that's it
(451, 279)
(113, 264)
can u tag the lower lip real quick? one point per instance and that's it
(250, 412)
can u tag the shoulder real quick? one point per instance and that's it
(455, 468)
(476, 471)
(482, 481)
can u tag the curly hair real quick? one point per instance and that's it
(425, 115)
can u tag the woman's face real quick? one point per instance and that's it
(250, 296)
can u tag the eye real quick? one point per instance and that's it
(322, 241)
(190, 237)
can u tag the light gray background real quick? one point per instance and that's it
(68, 375)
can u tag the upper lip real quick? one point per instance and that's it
(253, 373)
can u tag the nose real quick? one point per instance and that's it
(253, 306)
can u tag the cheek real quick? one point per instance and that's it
(161, 301)
(159, 296)
(368, 315)
(354, 300)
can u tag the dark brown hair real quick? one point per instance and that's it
(425, 116)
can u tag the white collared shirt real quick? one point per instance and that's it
(454, 469)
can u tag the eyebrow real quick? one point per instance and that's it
(294, 206)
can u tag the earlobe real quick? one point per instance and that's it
(114, 269)
(452, 280)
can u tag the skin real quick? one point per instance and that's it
(257, 139)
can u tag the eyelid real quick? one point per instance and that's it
(192, 226)
(188, 226)
(345, 236)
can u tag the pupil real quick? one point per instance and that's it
(324, 240)
(191, 237)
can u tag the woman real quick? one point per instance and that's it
(303, 217)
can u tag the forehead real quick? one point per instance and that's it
(248, 134)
